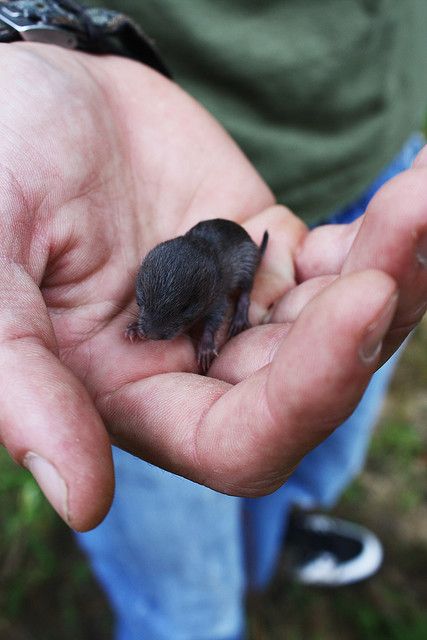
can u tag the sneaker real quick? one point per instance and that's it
(329, 552)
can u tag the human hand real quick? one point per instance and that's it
(344, 296)
(90, 183)
(101, 158)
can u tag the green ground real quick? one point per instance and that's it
(47, 593)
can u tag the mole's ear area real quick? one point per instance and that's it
(140, 297)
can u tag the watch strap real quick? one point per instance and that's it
(69, 24)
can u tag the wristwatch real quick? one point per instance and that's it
(67, 23)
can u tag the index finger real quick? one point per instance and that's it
(393, 238)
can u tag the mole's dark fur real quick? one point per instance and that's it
(192, 279)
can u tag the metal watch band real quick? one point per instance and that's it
(69, 24)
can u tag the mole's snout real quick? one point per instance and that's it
(160, 334)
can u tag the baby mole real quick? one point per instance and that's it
(191, 280)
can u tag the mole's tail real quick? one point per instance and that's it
(263, 244)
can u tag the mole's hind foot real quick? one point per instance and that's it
(206, 354)
(237, 326)
(240, 320)
(133, 332)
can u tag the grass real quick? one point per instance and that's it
(47, 592)
(46, 588)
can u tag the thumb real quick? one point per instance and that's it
(48, 422)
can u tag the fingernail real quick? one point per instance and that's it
(422, 250)
(373, 340)
(50, 482)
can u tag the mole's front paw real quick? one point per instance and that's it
(133, 332)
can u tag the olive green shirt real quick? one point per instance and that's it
(320, 94)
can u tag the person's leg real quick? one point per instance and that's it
(169, 557)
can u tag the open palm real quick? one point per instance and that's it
(102, 159)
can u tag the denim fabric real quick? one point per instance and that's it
(169, 556)
(176, 558)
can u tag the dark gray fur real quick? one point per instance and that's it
(191, 280)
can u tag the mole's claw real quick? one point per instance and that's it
(133, 332)
(205, 357)
(237, 327)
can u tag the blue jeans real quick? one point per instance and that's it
(176, 558)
